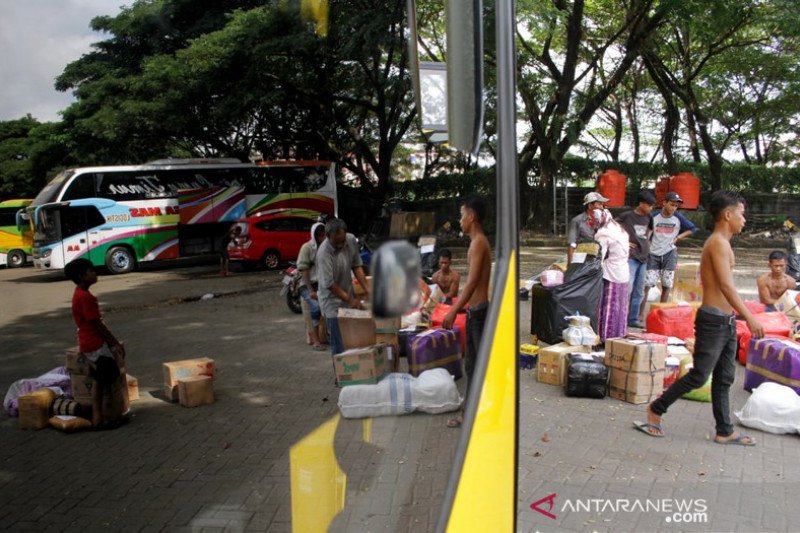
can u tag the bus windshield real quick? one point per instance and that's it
(50, 191)
(47, 226)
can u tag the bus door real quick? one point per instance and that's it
(80, 230)
(205, 215)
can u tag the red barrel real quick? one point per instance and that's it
(611, 184)
(687, 185)
(662, 188)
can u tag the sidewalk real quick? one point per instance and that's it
(233, 465)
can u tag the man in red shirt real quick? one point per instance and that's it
(95, 340)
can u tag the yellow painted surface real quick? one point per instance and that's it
(318, 484)
(484, 500)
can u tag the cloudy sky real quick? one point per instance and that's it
(38, 38)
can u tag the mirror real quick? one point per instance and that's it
(395, 279)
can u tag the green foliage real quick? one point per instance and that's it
(582, 172)
(449, 185)
(29, 151)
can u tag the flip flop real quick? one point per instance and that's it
(319, 347)
(740, 440)
(645, 427)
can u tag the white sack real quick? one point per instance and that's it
(772, 407)
(434, 391)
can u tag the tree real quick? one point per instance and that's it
(680, 60)
(29, 150)
(562, 45)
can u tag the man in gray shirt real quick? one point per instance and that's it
(337, 258)
(581, 228)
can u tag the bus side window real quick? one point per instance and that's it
(81, 187)
(76, 220)
(8, 216)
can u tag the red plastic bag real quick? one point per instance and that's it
(672, 321)
(743, 340)
(754, 307)
(776, 324)
(437, 316)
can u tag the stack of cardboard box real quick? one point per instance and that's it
(551, 366)
(637, 369)
(371, 347)
(115, 402)
(190, 381)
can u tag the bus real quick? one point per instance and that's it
(15, 238)
(121, 216)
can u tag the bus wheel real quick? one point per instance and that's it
(120, 260)
(271, 260)
(15, 258)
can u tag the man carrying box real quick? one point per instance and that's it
(337, 257)
(715, 326)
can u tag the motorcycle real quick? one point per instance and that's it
(292, 281)
(793, 249)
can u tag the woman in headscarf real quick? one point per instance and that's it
(613, 239)
(307, 265)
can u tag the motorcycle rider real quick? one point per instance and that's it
(306, 264)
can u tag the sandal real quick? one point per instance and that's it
(319, 348)
(654, 430)
(741, 440)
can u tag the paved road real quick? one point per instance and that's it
(232, 465)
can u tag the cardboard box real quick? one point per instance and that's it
(635, 355)
(133, 387)
(552, 364)
(636, 387)
(187, 368)
(77, 363)
(34, 409)
(688, 286)
(196, 391)
(357, 328)
(115, 401)
(386, 330)
(361, 366)
(409, 224)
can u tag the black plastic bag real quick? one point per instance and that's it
(581, 293)
(587, 376)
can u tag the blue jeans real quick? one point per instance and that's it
(638, 272)
(335, 336)
(313, 306)
(714, 355)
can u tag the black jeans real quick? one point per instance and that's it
(715, 355)
(476, 318)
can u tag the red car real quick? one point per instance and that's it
(270, 241)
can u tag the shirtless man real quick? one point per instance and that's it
(772, 285)
(447, 280)
(715, 326)
(476, 291)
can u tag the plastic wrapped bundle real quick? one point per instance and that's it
(434, 391)
(587, 376)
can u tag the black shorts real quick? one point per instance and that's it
(105, 371)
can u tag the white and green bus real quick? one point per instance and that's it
(120, 216)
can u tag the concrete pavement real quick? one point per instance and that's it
(232, 465)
